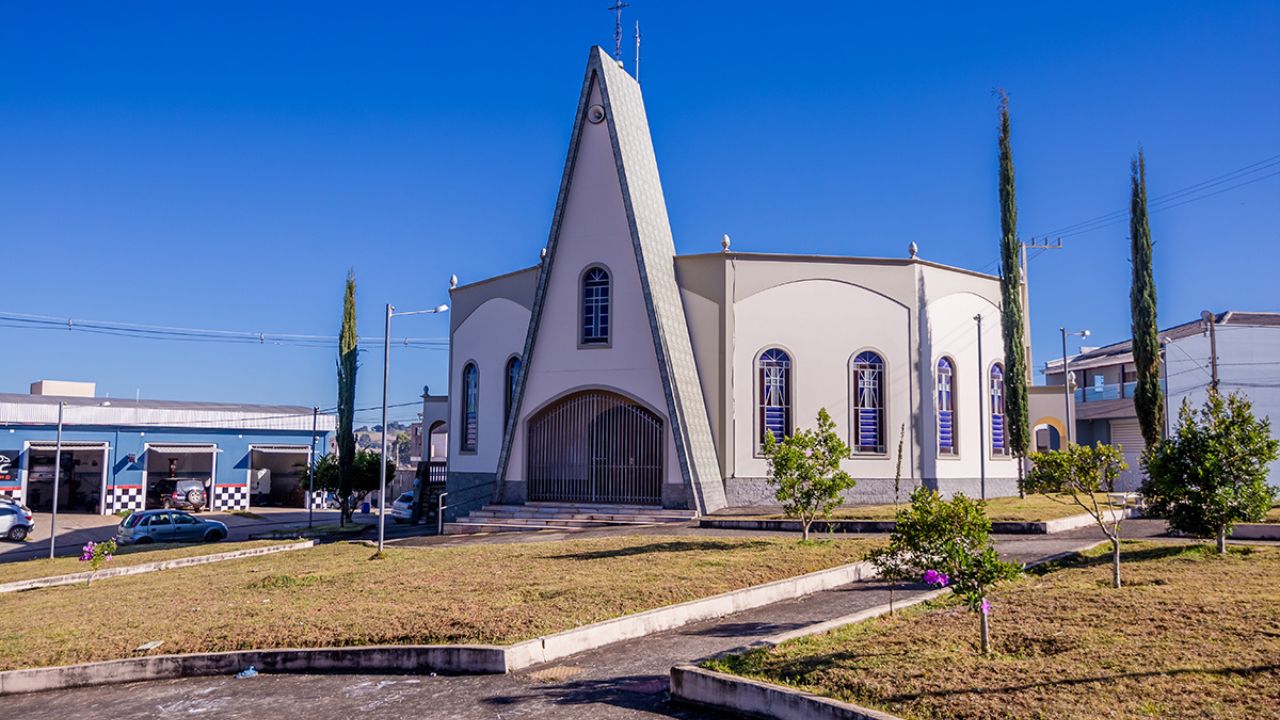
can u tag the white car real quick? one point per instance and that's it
(16, 522)
(402, 508)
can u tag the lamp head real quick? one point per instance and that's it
(442, 308)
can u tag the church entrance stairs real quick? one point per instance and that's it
(563, 516)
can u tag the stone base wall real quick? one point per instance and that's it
(755, 491)
(468, 491)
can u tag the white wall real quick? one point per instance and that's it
(822, 324)
(489, 336)
(593, 230)
(1248, 362)
(953, 332)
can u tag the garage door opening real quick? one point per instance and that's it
(180, 476)
(276, 475)
(81, 484)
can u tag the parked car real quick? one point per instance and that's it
(162, 526)
(16, 522)
(181, 494)
(402, 508)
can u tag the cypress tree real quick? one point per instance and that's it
(1017, 422)
(1148, 396)
(347, 397)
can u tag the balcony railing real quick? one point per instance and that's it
(1110, 391)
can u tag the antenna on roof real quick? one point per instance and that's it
(637, 52)
(618, 5)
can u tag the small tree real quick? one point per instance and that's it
(1082, 473)
(805, 470)
(948, 544)
(97, 554)
(364, 475)
(1211, 473)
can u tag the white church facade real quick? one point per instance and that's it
(616, 371)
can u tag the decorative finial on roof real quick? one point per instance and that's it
(453, 281)
(724, 242)
(913, 249)
(542, 256)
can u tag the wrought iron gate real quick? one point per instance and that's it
(597, 447)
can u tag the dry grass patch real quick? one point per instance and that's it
(127, 555)
(1192, 636)
(334, 595)
(1273, 516)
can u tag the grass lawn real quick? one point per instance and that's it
(127, 555)
(1193, 635)
(1032, 508)
(335, 595)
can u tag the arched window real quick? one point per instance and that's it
(868, 403)
(773, 392)
(513, 377)
(946, 381)
(595, 306)
(997, 410)
(470, 407)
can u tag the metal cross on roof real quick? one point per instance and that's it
(617, 7)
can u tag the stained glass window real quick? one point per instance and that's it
(513, 377)
(595, 307)
(470, 406)
(946, 407)
(774, 393)
(868, 403)
(997, 410)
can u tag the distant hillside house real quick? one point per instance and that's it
(615, 371)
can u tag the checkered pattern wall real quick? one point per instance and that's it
(125, 498)
(13, 493)
(231, 497)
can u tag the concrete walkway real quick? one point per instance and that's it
(625, 680)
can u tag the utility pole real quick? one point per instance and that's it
(311, 475)
(382, 461)
(1208, 319)
(1031, 244)
(57, 475)
(982, 421)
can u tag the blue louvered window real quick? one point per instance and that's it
(997, 410)
(595, 307)
(773, 371)
(513, 378)
(946, 380)
(868, 402)
(470, 407)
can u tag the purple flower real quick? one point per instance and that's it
(933, 577)
(985, 607)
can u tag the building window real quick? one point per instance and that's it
(997, 410)
(773, 370)
(946, 380)
(595, 307)
(868, 403)
(513, 377)
(470, 407)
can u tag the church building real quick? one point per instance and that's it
(618, 372)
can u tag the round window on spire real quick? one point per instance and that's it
(595, 114)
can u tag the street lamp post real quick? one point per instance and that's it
(982, 422)
(386, 375)
(57, 475)
(1066, 384)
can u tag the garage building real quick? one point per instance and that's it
(131, 454)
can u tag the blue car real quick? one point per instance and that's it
(167, 526)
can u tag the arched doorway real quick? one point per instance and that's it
(595, 446)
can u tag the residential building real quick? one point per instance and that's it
(1248, 361)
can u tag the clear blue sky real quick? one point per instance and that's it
(222, 164)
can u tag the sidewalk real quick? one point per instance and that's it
(624, 680)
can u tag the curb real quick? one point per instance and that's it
(998, 527)
(76, 578)
(694, 685)
(449, 659)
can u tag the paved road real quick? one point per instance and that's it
(626, 680)
(75, 529)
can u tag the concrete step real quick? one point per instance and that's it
(463, 527)
(621, 517)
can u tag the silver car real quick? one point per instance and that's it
(402, 508)
(16, 521)
(166, 526)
